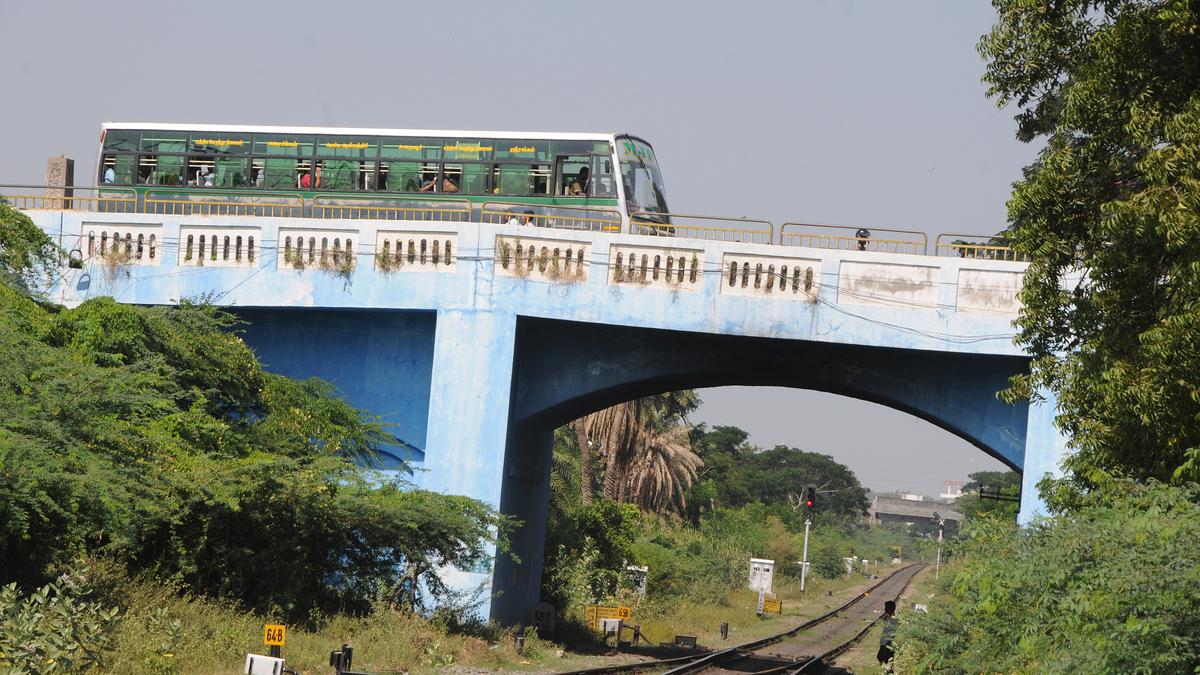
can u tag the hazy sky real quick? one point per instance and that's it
(864, 113)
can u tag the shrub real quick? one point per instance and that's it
(56, 629)
(828, 564)
(1109, 588)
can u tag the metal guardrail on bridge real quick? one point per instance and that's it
(382, 208)
(977, 247)
(711, 228)
(848, 238)
(232, 203)
(100, 200)
(104, 199)
(561, 217)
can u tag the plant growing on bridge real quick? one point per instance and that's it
(1113, 88)
(116, 260)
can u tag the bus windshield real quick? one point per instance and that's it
(644, 189)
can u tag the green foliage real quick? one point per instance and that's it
(28, 257)
(736, 473)
(56, 629)
(1113, 87)
(151, 435)
(973, 507)
(1111, 588)
(827, 563)
(587, 550)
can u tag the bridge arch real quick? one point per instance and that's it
(563, 370)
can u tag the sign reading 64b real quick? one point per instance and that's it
(274, 634)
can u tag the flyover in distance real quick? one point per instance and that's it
(476, 338)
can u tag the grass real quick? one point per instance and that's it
(165, 633)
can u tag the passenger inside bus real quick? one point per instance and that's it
(431, 180)
(579, 186)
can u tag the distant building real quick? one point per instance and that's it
(910, 509)
(953, 490)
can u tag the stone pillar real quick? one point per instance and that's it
(468, 414)
(60, 179)
(1045, 448)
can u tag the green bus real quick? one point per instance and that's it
(375, 168)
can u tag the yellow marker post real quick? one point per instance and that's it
(594, 614)
(274, 636)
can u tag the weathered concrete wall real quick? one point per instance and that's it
(516, 349)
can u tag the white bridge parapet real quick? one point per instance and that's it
(770, 276)
(688, 284)
(670, 267)
(541, 258)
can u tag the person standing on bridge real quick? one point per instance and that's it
(887, 650)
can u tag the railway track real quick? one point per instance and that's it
(801, 649)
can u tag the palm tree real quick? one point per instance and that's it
(648, 459)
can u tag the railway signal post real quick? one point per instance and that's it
(810, 501)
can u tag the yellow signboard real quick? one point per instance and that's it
(594, 614)
(274, 634)
(773, 606)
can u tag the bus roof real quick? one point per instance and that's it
(354, 131)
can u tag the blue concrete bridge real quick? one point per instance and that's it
(475, 340)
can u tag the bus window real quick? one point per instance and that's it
(160, 170)
(280, 173)
(573, 175)
(452, 178)
(604, 183)
(336, 174)
(201, 171)
(521, 179)
(121, 140)
(405, 176)
(230, 172)
(474, 178)
(117, 169)
(644, 190)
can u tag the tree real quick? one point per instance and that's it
(1107, 589)
(972, 506)
(153, 437)
(1109, 215)
(646, 451)
(737, 473)
(28, 257)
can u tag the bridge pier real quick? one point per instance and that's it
(1045, 449)
(468, 414)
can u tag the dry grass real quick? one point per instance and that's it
(163, 633)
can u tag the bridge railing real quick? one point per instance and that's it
(592, 219)
(848, 238)
(383, 208)
(977, 247)
(105, 199)
(222, 203)
(41, 197)
(712, 228)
